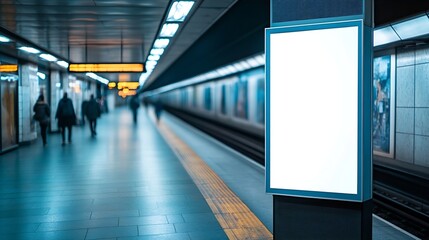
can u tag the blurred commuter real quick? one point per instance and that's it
(134, 105)
(158, 110)
(66, 117)
(92, 112)
(41, 114)
(83, 110)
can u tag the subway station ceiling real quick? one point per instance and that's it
(101, 31)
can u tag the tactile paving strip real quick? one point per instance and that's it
(236, 219)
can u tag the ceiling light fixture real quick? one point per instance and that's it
(151, 63)
(4, 39)
(412, 28)
(41, 75)
(179, 10)
(384, 36)
(48, 57)
(98, 78)
(29, 49)
(161, 43)
(153, 58)
(169, 29)
(157, 51)
(63, 64)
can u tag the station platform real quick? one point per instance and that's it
(150, 180)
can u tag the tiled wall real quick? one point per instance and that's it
(412, 106)
(27, 95)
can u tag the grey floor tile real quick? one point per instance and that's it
(112, 232)
(197, 226)
(110, 214)
(200, 217)
(174, 236)
(82, 224)
(145, 220)
(156, 229)
(177, 218)
(54, 235)
(208, 235)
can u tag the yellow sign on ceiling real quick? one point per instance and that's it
(9, 68)
(129, 85)
(106, 67)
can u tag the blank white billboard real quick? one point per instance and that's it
(313, 118)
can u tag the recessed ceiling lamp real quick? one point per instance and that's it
(4, 39)
(29, 49)
(169, 29)
(157, 51)
(179, 10)
(161, 43)
(384, 36)
(98, 78)
(41, 75)
(48, 57)
(412, 28)
(153, 57)
(63, 64)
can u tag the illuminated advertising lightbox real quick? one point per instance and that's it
(313, 76)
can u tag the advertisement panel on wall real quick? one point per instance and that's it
(313, 111)
(8, 87)
(384, 105)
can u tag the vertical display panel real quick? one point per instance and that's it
(384, 105)
(8, 88)
(313, 77)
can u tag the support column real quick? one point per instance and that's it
(318, 130)
(28, 93)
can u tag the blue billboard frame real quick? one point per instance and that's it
(364, 188)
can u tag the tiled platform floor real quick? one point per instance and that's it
(124, 184)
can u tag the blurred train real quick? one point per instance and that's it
(237, 100)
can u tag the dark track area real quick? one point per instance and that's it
(400, 195)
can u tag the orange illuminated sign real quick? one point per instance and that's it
(129, 85)
(106, 67)
(111, 85)
(125, 93)
(9, 68)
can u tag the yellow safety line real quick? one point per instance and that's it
(236, 219)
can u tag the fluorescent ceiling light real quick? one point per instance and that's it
(179, 10)
(63, 64)
(29, 49)
(161, 43)
(260, 59)
(9, 78)
(150, 67)
(41, 75)
(157, 51)
(412, 28)
(384, 36)
(98, 78)
(151, 63)
(252, 62)
(239, 67)
(169, 29)
(48, 57)
(153, 57)
(4, 39)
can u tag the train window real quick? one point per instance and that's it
(260, 101)
(194, 99)
(184, 96)
(240, 98)
(223, 99)
(207, 98)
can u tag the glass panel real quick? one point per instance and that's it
(8, 113)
